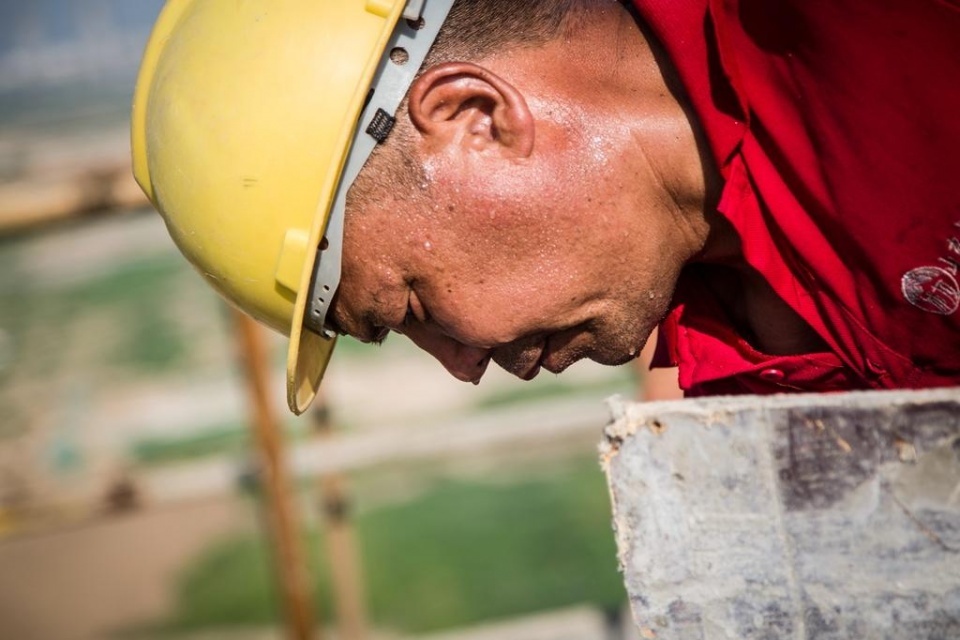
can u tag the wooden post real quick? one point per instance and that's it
(345, 572)
(275, 483)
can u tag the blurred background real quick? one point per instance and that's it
(132, 492)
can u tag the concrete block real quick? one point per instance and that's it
(825, 517)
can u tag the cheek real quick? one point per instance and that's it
(470, 316)
(501, 309)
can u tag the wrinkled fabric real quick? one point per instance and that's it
(836, 127)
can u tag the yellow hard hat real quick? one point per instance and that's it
(250, 122)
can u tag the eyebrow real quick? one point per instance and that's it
(378, 332)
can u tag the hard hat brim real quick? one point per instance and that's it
(309, 353)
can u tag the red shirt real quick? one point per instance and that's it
(836, 127)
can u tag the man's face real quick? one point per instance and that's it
(530, 266)
(560, 197)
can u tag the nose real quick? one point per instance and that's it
(463, 362)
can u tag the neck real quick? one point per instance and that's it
(607, 87)
(662, 133)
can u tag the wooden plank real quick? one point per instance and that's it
(805, 517)
(561, 421)
(65, 172)
(342, 548)
(39, 201)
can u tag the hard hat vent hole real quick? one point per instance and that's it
(399, 56)
(417, 24)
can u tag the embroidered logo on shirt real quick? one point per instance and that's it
(934, 288)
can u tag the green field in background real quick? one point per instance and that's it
(459, 553)
(134, 301)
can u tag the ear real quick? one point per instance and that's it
(464, 104)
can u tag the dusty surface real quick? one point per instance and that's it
(821, 517)
(80, 584)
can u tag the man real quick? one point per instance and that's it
(770, 181)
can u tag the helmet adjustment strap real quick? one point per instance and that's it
(381, 125)
(409, 44)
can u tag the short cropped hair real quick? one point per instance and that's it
(475, 29)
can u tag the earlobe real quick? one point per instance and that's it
(465, 104)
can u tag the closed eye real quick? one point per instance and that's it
(410, 317)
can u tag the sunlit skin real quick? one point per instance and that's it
(563, 192)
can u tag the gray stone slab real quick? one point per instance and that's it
(805, 517)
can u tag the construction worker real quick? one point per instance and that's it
(538, 182)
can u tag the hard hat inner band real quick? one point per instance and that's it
(391, 81)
